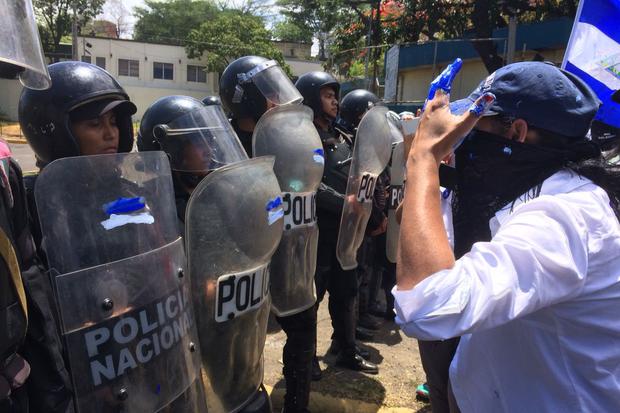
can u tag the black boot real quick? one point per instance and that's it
(356, 362)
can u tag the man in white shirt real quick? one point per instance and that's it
(537, 304)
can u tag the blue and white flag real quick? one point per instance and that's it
(593, 53)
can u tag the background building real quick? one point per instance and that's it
(419, 64)
(148, 71)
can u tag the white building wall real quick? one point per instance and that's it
(10, 90)
(300, 66)
(144, 89)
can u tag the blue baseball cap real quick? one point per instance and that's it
(543, 95)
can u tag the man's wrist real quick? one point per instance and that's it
(421, 158)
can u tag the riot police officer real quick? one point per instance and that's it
(32, 375)
(85, 112)
(192, 155)
(248, 88)
(371, 254)
(198, 140)
(320, 90)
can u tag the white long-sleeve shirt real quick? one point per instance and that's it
(538, 306)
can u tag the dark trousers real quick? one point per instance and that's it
(297, 356)
(342, 287)
(365, 273)
(436, 358)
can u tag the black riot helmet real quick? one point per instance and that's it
(250, 81)
(21, 53)
(310, 85)
(77, 88)
(211, 100)
(352, 108)
(196, 138)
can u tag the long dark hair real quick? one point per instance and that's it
(585, 158)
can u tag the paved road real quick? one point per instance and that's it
(24, 155)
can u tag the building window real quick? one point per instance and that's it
(86, 59)
(100, 61)
(196, 74)
(163, 70)
(127, 67)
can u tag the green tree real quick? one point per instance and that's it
(401, 21)
(56, 17)
(289, 31)
(171, 22)
(230, 35)
(319, 16)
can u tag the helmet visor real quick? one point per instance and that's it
(200, 141)
(272, 82)
(20, 47)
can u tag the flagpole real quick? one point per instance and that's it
(572, 33)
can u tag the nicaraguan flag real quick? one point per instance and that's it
(593, 53)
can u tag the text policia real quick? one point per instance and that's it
(138, 337)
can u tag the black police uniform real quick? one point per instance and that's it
(341, 284)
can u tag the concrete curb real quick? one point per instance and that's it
(14, 140)
(323, 403)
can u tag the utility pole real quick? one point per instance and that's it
(512, 38)
(74, 34)
(376, 52)
(367, 56)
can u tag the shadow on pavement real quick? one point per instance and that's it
(389, 334)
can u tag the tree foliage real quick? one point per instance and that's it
(319, 16)
(56, 17)
(289, 31)
(230, 35)
(171, 22)
(402, 21)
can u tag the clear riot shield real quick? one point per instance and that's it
(20, 45)
(288, 133)
(234, 225)
(371, 153)
(117, 269)
(395, 197)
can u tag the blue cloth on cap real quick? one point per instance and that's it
(542, 94)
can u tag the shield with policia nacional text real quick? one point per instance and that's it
(371, 153)
(288, 133)
(234, 225)
(117, 267)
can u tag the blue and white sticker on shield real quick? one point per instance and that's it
(123, 211)
(319, 156)
(274, 210)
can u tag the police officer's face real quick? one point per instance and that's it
(329, 102)
(97, 136)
